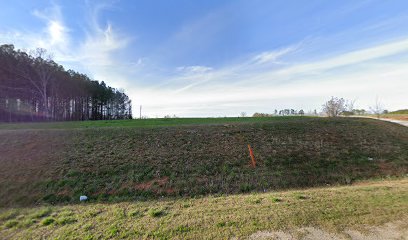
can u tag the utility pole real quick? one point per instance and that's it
(140, 112)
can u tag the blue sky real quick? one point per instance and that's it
(220, 58)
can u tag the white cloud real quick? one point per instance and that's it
(194, 69)
(100, 43)
(54, 36)
(272, 56)
(57, 32)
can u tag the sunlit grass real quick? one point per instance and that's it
(220, 217)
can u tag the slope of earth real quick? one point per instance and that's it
(136, 163)
(372, 210)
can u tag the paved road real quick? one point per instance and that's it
(402, 122)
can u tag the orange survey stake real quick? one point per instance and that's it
(251, 153)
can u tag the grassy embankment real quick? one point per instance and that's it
(402, 111)
(218, 217)
(145, 159)
(395, 115)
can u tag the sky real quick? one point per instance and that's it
(219, 58)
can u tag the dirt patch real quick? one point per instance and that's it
(148, 185)
(64, 192)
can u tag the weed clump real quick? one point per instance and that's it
(42, 213)
(9, 215)
(255, 200)
(66, 220)
(182, 229)
(47, 221)
(136, 214)
(221, 224)
(11, 223)
(154, 212)
(276, 199)
(113, 230)
(27, 223)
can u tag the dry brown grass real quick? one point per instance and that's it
(331, 210)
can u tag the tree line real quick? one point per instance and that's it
(340, 107)
(35, 88)
(284, 112)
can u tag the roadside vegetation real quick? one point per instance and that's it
(331, 209)
(402, 111)
(395, 116)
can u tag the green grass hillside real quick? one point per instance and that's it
(402, 111)
(140, 123)
(42, 163)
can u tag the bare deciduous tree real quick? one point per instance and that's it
(378, 108)
(334, 107)
(350, 105)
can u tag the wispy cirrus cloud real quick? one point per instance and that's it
(273, 56)
(193, 69)
(187, 77)
(101, 40)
